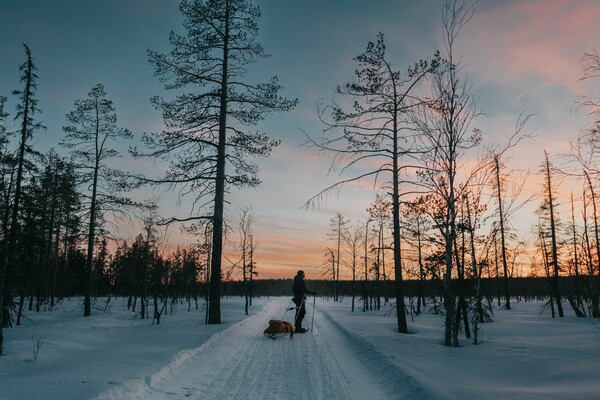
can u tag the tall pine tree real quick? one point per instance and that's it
(26, 109)
(207, 140)
(92, 127)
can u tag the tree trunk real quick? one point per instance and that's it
(476, 278)
(400, 307)
(89, 264)
(421, 294)
(461, 312)
(502, 237)
(547, 269)
(451, 329)
(578, 300)
(214, 312)
(336, 276)
(596, 284)
(554, 245)
(366, 280)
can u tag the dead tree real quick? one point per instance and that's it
(368, 127)
(554, 248)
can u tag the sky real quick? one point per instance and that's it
(520, 56)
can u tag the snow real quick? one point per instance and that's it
(347, 355)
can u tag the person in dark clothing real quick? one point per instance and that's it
(300, 291)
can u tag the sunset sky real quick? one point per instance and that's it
(520, 56)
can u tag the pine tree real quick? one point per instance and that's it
(26, 110)
(372, 130)
(92, 127)
(206, 133)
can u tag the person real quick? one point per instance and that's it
(300, 291)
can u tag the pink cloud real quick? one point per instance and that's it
(543, 38)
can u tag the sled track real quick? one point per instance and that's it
(397, 383)
(239, 362)
(138, 389)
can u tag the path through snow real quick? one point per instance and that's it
(241, 363)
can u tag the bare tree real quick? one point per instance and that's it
(246, 247)
(595, 307)
(371, 129)
(380, 213)
(444, 123)
(338, 231)
(414, 224)
(328, 265)
(366, 266)
(577, 303)
(502, 236)
(506, 207)
(353, 240)
(549, 206)
(585, 151)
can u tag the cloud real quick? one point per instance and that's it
(540, 38)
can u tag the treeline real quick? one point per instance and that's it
(380, 296)
(523, 289)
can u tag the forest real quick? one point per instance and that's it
(439, 235)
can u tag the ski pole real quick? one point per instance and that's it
(312, 322)
(298, 310)
(288, 308)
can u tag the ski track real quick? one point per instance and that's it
(397, 383)
(328, 362)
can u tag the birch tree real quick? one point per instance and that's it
(446, 137)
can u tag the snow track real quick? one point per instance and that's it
(241, 363)
(396, 383)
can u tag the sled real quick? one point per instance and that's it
(279, 326)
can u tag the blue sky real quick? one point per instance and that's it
(519, 56)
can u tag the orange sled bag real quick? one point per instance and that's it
(279, 326)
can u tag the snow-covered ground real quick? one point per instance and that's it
(345, 356)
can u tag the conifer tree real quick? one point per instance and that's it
(91, 133)
(367, 126)
(207, 140)
(26, 110)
